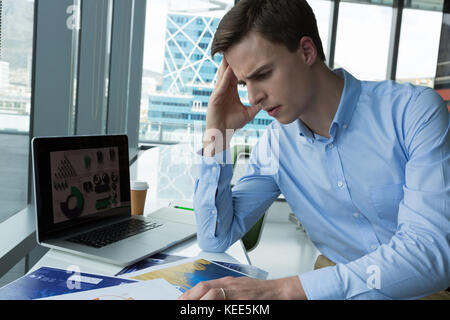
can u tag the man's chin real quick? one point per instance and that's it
(284, 120)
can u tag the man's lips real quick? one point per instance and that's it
(272, 110)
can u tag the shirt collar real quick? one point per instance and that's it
(347, 104)
(304, 130)
(349, 99)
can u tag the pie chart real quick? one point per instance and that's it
(73, 206)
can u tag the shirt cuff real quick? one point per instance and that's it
(222, 158)
(322, 284)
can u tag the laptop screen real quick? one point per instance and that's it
(80, 179)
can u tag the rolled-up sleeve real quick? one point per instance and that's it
(225, 214)
(214, 175)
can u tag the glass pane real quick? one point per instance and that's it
(419, 45)
(433, 5)
(179, 71)
(362, 41)
(377, 2)
(321, 9)
(16, 25)
(442, 80)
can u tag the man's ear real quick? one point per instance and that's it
(308, 50)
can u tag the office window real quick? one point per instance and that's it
(179, 71)
(362, 42)
(442, 80)
(178, 68)
(419, 45)
(321, 9)
(16, 43)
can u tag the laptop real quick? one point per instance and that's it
(82, 192)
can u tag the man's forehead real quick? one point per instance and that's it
(250, 54)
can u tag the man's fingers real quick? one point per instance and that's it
(207, 290)
(215, 294)
(222, 68)
(196, 292)
(227, 79)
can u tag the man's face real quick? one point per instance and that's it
(274, 76)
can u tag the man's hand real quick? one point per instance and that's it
(225, 110)
(244, 288)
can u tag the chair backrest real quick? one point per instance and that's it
(240, 155)
(252, 237)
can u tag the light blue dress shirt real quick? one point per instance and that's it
(374, 197)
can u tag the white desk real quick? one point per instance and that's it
(170, 172)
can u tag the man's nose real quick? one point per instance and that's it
(255, 95)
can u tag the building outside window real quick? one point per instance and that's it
(179, 72)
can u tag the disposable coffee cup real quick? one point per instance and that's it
(138, 193)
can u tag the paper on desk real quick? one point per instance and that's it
(158, 289)
(131, 275)
(185, 273)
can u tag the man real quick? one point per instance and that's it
(363, 165)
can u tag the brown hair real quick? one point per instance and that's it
(279, 21)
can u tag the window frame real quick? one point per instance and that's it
(53, 49)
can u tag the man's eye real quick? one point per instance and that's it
(264, 75)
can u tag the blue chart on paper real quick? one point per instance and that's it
(162, 258)
(47, 282)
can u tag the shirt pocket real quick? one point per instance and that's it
(385, 200)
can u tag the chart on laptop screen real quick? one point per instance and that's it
(84, 182)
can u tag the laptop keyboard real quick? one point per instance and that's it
(106, 235)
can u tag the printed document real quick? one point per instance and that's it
(158, 289)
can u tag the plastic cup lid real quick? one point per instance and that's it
(139, 185)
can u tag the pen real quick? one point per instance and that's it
(184, 208)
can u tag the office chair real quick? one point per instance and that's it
(240, 154)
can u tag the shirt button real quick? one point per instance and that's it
(340, 184)
(356, 215)
(330, 146)
(344, 126)
(213, 211)
(373, 247)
